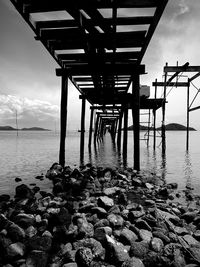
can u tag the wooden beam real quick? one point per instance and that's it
(63, 119)
(171, 84)
(182, 69)
(194, 77)
(34, 6)
(91, 127)
(82, 139)
(114, 70)
(195, 108)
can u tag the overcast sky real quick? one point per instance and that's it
(29, 85)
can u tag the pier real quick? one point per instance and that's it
(98, 47)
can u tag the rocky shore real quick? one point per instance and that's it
(98, 217)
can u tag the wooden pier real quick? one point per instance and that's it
(101, 52)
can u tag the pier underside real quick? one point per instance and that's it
(99, 45)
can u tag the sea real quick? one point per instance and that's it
(31, 153)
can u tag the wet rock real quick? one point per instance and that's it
(179, 259)
(135, 214)
(136, 182)
(23, 191)
(142, 225)
(157, 244)
(37, 258)
(24, 220)
(102, 223)
(17, 179)
(189, 216)
(127, 236)
(4, 198)
(15, 232)
(101, 232)
(111, 191)
(15, 249)
(84, 257)
(133, 262)
(105, 202)
(138, 249)
(145, 235)
(115, 220)
(70, 264)
(191, 240)
(99, 211)
(30, 231)
(42, 243)
(162, 236)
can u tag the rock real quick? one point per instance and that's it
(4, 198)
(115, 220)
(111, 191)
(172, 185)
(138, 249)
(135, 214)
(23, 191)
(136, 182)
(127, 236)
(42, 243)
(71, 264)
(24, 220)
(15, 249)
(197, 235)
(157, 244)
(162, 236)
(30, 231)
(99, 211)
(180, 230)
(189, 216)
(101, 232)
(17, 179)
(64, 217)
(145, 235)
(133, 262)
(15, 232)
(149, 186)
(105, 202)
(102, 223)
(3, 222)
(37, 258)
(191, 240)
(98, 251)
(117, 252)
(179, 260)
(141, 224)
(83, 257)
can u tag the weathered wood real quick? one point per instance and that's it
(119, 131)
(175, 84)
(136, 120)
(63, 119)
(91, 127)
(182, 69)
(122, 69)
(51, 5)
(163, 116)
(194, 77)
(125, 134)
(82, 139)
(154, 119)
(188, 117)
(195, 108)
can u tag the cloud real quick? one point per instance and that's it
(29, 111)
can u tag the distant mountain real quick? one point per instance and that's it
(168, 127)
(176, 127)
(9, 128)
(34, 129)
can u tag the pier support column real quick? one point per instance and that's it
(163, 115)
(96, 128)
(188, 115)
(119, 131)
(91, 126)
(136, 120)
(154, 119)
(63, 119)
(82, 139)
(125, 136)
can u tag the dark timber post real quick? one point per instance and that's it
(163, 115)
(188, 116)
(136, 120)
(125, 131)
(82, 129)
(91, 126)
(96, 128)
(154, 119)
(119, 131)
(63, 119)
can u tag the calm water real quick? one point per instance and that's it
(32, 153)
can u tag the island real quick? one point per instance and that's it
(9, 128)
(168, 127)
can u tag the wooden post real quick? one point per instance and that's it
(188, 116)
(136, 120)
(125, 132)
(91, 126)
(96, 128)
(82, 139)
(163, 115)
(63, 118)
(119, 131)
(154, 120)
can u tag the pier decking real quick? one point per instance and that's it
(99, 45)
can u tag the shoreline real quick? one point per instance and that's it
(100, 217)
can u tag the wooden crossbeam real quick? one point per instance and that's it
(114, 70)
(195, 108)
(67, 23)
(194, 77)
(175, 84)
(182, 69)
(33, 6)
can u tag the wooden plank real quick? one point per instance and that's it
(67, 23)
(51, 5)
(121, 69)
(182, 69)
(175, 84)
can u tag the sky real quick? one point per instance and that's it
(30, 87)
